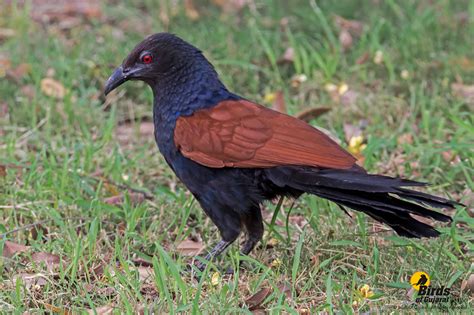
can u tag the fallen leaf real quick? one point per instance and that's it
(29, 91)
(309, 114)
(145, 273)
(103, 310)
(190, 10)
(19, 72)
(288, 56)
(285, 289)
(10, 249)
(30, 280)
(363, 58)
(465, 92)
(298, 220)
(56, 309)
(279, 103)
(353, 26)
(135, 198)
(51, 260)
(60, 10)
(231, 6)
(3, 171)
(53, 88)
(126, 133)
(351, 131)
(257, 299)
(189, 247)
(451, 157)
(349, 97)
(406, 138)
(37, 231)
(345, 39)
(297, 79)
(468, 285)
(6, 33)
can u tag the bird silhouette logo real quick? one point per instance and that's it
(418, 279)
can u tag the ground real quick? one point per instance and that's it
(92, 218)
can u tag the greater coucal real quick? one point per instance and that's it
(233, 154)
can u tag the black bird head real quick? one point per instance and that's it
(159, 57)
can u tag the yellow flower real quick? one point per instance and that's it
(366, 292)
(215, 279)
(356, 145)
(276, 263)
(342, 88)
(269, 97)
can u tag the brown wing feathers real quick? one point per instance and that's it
(244, 134)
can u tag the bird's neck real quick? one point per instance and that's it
(182, 96)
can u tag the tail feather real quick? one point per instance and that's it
(381, 197)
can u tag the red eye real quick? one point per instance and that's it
(147, 59)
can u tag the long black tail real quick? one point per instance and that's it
(381, 197)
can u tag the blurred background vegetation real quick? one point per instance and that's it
(92, 218)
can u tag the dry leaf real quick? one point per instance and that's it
(190, 10)
(10, 249)
(298, 220)
(49, 259)
(19, 72)
(354, 27)
(297, 79)
(288, 56)
(345, 39)
(134, 198)
(53, 88)
(363, 58)
(6, 33)
(56, 309)
(61, 10)
(103, 310)
(406, 138)
(312, 113)
(189, 247)
(31, 280)
(351, 131)
(465, 92)
(3, 170)
(145, 273)
(279, 103)
(38, 230)
(285, 289)
(468, 285)
(257, 299)
(125, 133)
(231, 6)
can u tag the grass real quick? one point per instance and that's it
(62, 159)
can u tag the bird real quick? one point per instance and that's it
(233, 154)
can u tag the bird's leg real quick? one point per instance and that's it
(253, 224)
(215, 251)
(229, 225)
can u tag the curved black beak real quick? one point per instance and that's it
(115, 80)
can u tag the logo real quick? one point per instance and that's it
(427, 293)
(418, 279)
